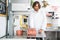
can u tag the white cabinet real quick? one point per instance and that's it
(20, 6)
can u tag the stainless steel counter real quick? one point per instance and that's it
(52, 30)
(52, 34)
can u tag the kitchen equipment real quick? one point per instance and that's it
(51, 13)
(50, 19)
(24, 21)
(20, 23)
(2, 26)
(56, 20)
(19, 8)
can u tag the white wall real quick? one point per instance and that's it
(54, 2)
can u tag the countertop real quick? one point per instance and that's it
(52, 29)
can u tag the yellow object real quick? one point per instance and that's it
(24, 17)
(25, 26)
(49, 25)
(21, 22)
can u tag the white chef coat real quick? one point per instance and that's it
(37, 20)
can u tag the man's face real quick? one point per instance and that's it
(36, 8)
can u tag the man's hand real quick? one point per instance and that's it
(40, 31)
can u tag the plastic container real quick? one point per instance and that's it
(31, 32)
(19, 32)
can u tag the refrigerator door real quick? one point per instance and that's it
(2, 26)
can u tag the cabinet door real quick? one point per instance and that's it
(51, 35)
(2, 26)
